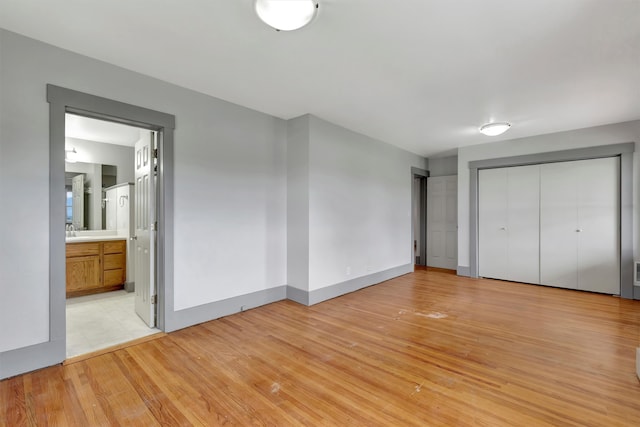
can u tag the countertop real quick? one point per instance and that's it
(82, 239)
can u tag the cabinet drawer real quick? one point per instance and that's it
(114, 261)
(114, 247)
(113, 277)
(83, 249)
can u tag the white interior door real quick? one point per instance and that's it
(558, 225)
(493, 253)
(77, 201)
(580, 223)
(442, 222)
(417, 223)
(598, 222)
(144, 202)
(523, 215)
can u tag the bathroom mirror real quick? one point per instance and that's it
(84, 185)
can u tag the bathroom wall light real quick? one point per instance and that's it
(71, 156)
(495, 129)
(286, 15)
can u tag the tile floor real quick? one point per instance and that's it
(102, 320)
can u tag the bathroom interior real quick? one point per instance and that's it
(100, 232)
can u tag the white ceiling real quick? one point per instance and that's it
(100, 131)
(420, 74)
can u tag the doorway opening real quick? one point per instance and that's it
(110, 260)
(109, 227)
(419, 217)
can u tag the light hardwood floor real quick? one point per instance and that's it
(428, 348)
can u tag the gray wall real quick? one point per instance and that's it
(359, 205)
(230, 185)
(107, 154)
(443, 166)
(298, 203)
(238, 197)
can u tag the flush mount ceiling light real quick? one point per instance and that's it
(286, 15)
(495, 129)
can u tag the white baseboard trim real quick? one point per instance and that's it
(638, 362)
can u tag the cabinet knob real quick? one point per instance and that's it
(579, 230)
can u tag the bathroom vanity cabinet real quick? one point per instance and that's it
(96, 266)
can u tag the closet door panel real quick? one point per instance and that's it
(492, 223)
(558, 219)
(598, 221)
(523, 198)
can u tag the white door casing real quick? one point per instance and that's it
(442, 222)
(144, 239)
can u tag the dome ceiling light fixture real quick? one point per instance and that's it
(286, 15)
(495, 129)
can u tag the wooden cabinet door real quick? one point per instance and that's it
(83, 272)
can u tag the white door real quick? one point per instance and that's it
(523, 212)
(144, 202)
(508, 218)
(417, 222)
(579, 234)
(442, 222)
(77, 201)
(493, 252)
(599, 222)
(558, 225)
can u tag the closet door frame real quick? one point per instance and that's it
(624, 151)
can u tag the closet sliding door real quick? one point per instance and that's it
(492, 224)
(508, 223)
(579, 225)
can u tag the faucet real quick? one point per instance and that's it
(71, 231)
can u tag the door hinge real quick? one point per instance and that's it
(155, 153)
(154, 300)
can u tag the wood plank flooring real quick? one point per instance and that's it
(428, 348)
